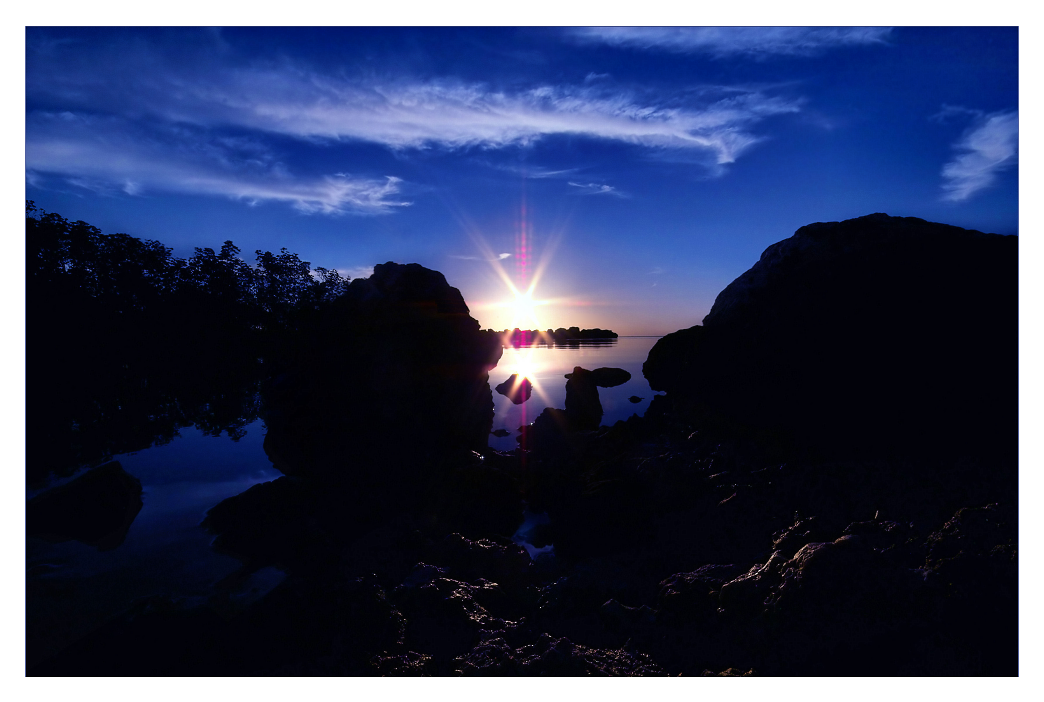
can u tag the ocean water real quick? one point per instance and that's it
(72, 588)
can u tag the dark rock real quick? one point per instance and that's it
(553, 433)
(609, 377)
(549, 656)
(272, 523)
(503, 562)
(582, 407)
(395, 346)
(476, 499)
(516, 390)
(442, 617)
(500, 433)
(687, 597)
(635, 399)
(619, 617)
(409, 664)
(97, 508)
(872, 335)
(541, 535)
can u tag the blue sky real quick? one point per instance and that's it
(627, 174)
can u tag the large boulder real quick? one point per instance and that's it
(96, 509)
(582, 405)
(878, 334)
(390, 381)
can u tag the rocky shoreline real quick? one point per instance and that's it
(726, 532)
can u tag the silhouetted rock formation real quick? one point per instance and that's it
(878, 333)
(634, 399)
(556, 430)
(691, 540)
(582, 406)
(515, 389)
(96, 508)
(394, 374)
(609, 377)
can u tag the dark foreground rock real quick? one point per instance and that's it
(97, 508)
(689, 541)
(361, 388)
(886, 334)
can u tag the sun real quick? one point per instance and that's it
(523, 311)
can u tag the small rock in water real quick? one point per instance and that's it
(500, 432)
(635, 399)
(516, 390)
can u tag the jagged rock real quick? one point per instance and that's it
(409, 664)
(550, 656)
(97, 508)
(686, 597)
(515, 389)
(873, 335)
(503, 562)
(619, 617)
(443, 617)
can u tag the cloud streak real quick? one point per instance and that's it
(141, 118)
(988, 147)
(598, 189)
(290, 100)
(722, 42)
(498, 257)
(110, 156)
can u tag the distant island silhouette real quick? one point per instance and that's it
(532, 337)
(827, 485)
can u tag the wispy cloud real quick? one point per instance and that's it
(986, 148)
(498, 257)
(721, 42)
(598, 189)
(532, 172)
(143, 118)
(111, 155)
(291, 100)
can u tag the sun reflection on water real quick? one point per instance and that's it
(525, 362)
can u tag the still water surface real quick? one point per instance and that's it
(72, 588)
(546, 368)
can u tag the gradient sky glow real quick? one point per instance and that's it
(627, 174)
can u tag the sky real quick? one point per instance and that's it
(595, 177)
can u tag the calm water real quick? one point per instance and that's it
(546, 367)
(72, 588)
